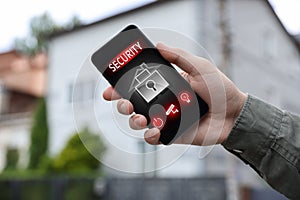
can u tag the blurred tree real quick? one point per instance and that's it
(39, 135)
(78, 154)
(12, 158)
(41, 27)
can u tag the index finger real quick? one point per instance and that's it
(111, 94)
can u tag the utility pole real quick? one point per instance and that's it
(225, 38)
(225, 65)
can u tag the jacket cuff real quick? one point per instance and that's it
(254, 131)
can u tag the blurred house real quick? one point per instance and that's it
(245, 38)
(22, 81)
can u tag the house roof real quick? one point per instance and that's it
(6, 58)
(157, 3)
(23, 74)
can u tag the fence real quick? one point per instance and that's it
(64, 188)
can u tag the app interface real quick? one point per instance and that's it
(135, 68)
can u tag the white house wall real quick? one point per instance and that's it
(273, 77)
(15, 136)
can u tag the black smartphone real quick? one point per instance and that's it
(138, 72)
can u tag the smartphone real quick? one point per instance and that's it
(138, 72)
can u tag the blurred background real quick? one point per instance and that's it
(42, 46)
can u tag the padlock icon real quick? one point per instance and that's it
(148, 82)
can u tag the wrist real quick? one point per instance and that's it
(240, 104)
(232, 118)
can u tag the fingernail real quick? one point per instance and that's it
(123, 107)
(137, 122)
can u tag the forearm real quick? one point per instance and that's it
(268, 139)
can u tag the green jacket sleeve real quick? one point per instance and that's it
(268, 139)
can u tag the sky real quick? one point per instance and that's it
(289, 13)
(16, 14)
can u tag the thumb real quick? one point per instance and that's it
(179, 57)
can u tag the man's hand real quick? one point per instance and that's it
(196, 69)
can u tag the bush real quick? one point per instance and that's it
(75, 158)
(12, 158)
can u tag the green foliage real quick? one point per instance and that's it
(39, 135)
(41, 27)
(12, 157)
(75, 158)
(21, 174)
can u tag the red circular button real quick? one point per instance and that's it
(157, 122)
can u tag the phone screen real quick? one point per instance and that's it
(138, 72)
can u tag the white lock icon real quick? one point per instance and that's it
(148, 82)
